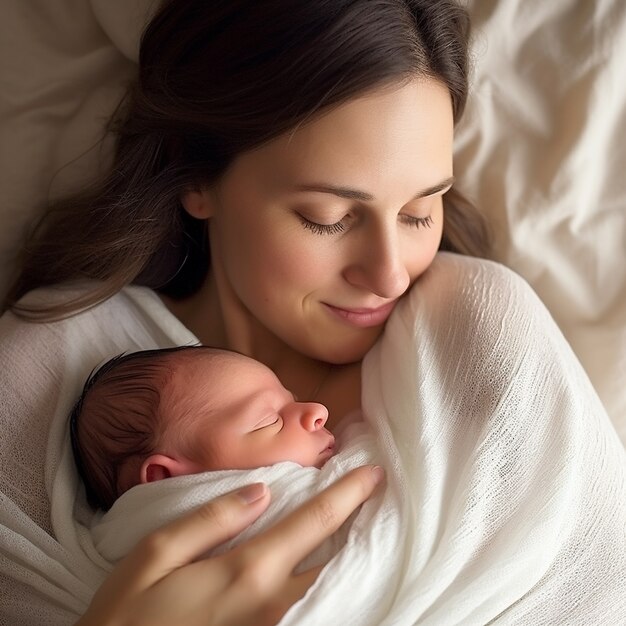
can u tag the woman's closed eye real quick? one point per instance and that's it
(417, 222)
(342, 225)
(324, 229)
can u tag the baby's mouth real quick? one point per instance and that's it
(327, 453)
(329, 449)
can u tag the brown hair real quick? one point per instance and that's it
(118, 420)
(216, 79)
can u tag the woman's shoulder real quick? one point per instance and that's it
(453, 268)
(473, 293)
(469, 282)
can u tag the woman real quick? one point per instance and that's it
(281, 188)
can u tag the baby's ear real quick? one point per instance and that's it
(199, 203)
(160, 466)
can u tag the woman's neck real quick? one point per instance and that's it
(219, 319)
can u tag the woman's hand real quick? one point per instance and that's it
(160, 583)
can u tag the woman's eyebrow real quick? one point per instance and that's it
(364, 196)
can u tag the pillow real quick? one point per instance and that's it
(65, 65)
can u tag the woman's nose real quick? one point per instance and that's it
(313, 415)
(378, 265)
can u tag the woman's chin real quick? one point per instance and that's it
(347, 350)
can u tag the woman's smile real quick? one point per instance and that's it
(363, 317)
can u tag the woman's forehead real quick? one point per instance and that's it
(381, 137)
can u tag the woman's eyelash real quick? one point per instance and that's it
(418, 222)
(323, 229)
(339, 227)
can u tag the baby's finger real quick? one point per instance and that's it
(288, 542)
(185, 539)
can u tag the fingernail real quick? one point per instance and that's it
(379, 473)
(252, 493)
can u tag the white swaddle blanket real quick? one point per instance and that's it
(505, 498)
(146, 507)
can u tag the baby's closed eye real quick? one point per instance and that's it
(270, 420)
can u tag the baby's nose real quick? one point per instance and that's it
(313, 416)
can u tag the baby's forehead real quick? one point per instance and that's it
(208, 385)
(217, 361)
(207, 375)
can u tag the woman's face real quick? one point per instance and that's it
(319, 232)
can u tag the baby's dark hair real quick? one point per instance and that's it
(116, 422)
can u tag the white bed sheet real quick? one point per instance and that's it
(542, 148)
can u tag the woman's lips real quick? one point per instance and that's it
(363, 318)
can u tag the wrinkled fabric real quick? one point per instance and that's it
(505, 499)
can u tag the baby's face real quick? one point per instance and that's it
(247, 419)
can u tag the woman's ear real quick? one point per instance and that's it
(160, 466)
(199, 203)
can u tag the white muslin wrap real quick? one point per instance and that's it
(505, 496)
(146, 507)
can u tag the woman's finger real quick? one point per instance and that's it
(293, 589)
(299, 533)
(298, 584)
(184, 540)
